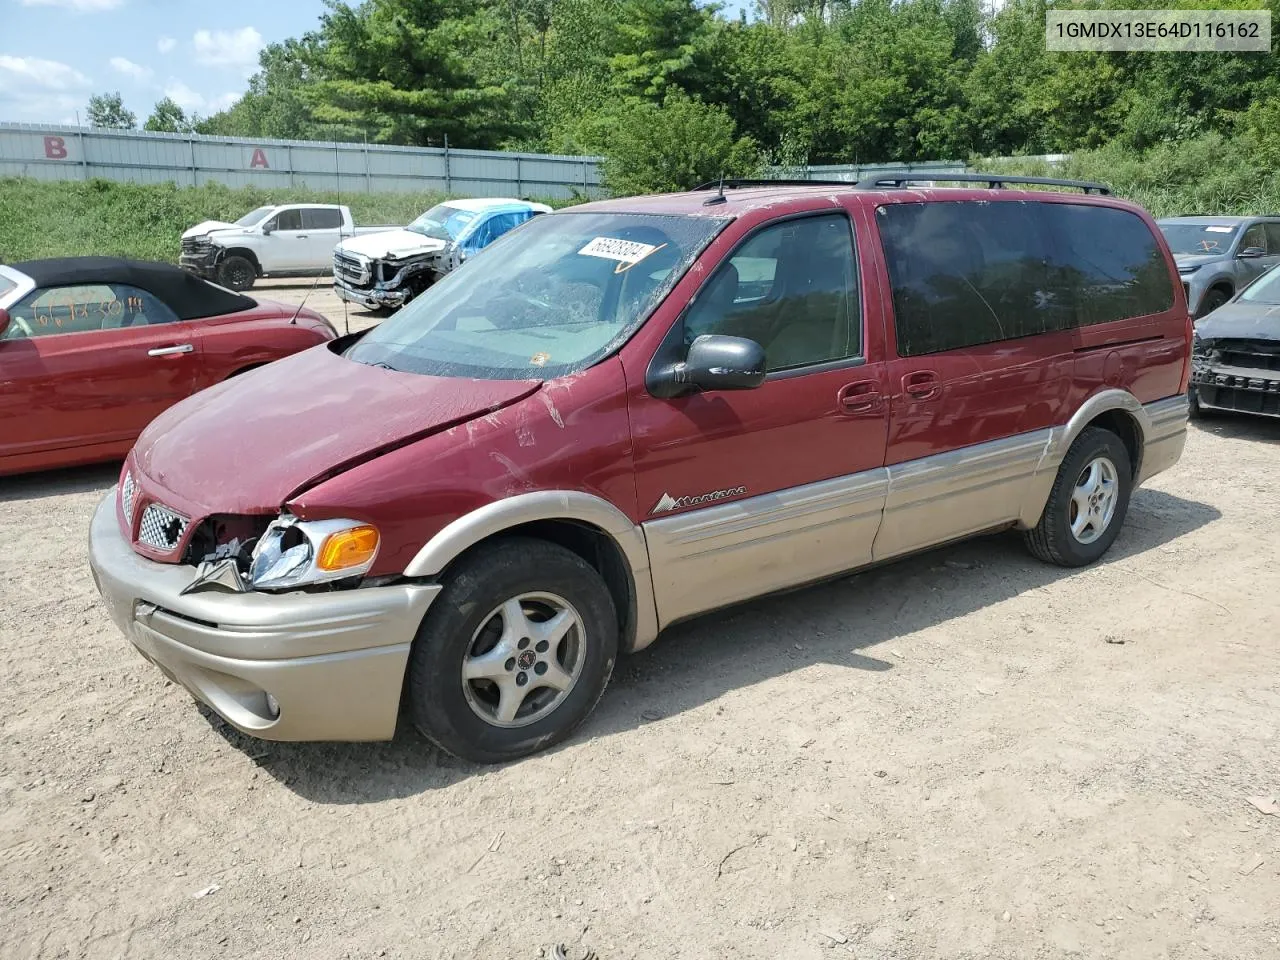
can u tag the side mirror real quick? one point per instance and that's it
(4, 321)
(267, 228)
(714, 362)
(1251, 253)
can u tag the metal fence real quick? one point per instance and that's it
(49, 152)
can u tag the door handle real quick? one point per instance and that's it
(301, 236)
(922, 385)
(862, 396)
(170, 351)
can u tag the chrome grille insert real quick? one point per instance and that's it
(351, 269)
(161, 528)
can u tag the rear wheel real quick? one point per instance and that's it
(237, 273)
(514, 653)
(1088, 502)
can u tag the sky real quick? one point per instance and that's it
(55, 53)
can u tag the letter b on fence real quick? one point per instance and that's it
(55, 148)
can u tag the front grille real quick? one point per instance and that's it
(126, 497)
(1249, 354)
(161, 528)
(351, 269)
(1266, 403)
(196, 245)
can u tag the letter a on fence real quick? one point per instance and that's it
(259, 159)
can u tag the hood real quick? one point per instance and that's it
(1241, 320)
(251, 443)
(209, 226)
(1196, 259)
(391, 244)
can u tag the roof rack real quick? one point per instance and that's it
(891, 179)
(737, 182)
(994, 181)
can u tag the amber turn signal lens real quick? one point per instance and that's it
(348, 548)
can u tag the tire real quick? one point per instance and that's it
(1053, 539)
(1194, 410)
(237, 273)
(1213, 299)
(467, 627)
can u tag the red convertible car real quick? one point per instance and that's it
(93, 348)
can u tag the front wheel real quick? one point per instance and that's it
(236, 273)
(1088, 502)
(514, 653)
(1213, 299)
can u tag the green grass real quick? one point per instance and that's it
(1212, 175)
(145, 221)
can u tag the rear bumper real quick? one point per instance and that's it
(333, 662)
(1164, 435)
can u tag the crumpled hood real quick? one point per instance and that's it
(391, 244)
(209, 226)
(1241, 320)
(249, 444)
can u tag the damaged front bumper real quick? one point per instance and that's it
(386, 283)
(203, 263)
(291, 666)
(1237, 380)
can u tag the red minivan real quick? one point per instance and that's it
(632, 412)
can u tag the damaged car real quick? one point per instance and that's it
(630, 413)
(1235, 361)
(387, 270)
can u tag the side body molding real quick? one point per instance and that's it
(573, 505)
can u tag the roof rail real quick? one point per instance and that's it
(759, 182)
(994, 181)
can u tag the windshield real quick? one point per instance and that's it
(1265, 290)
(253, 217)
(444, 222)
(1199, 238)
(543, 301)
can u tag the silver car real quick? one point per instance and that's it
(1218, 256)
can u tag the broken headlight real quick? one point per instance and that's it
(297, 553)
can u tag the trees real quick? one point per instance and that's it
(817, 81)
(106, 110)
(168, 117)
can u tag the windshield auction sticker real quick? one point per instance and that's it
(1189, 31)
(624, 251)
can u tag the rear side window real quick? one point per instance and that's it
(969, 273)
(321, 219)
(1109, 260)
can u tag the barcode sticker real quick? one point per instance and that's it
(611, 248)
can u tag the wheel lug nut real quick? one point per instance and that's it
(542, 646)
(521, 678)
(510, 664)
(539, 668)
(524, 642)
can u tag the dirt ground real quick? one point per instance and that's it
(967, 754)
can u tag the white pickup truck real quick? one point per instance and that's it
(285, 240)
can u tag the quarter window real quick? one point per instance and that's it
(792, 288)
(84, 308)
(966, 273)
